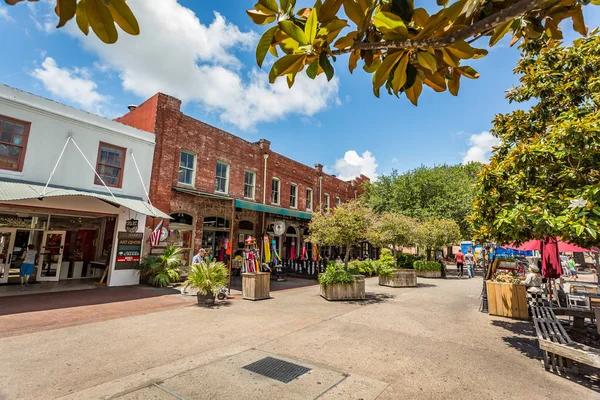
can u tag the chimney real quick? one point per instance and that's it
(131, 107)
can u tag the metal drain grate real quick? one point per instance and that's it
(274, 368)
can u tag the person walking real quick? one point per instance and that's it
(572, 268)
(470, 262)
(198, 258)
(26, 269)
(442, 266)
(460, 262)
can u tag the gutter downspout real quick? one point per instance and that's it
(265, 156)
(321, 193)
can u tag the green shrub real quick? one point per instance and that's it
(386, 257)
(208, 278)
(366, 267)
(162, 270)
(426, 266)
(407, 260)
(385, 270)
(336, 273)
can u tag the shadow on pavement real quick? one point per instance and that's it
(372, 298)
(419, 284)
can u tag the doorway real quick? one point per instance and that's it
(51, 255)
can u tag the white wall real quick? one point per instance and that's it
(123, 277)
(51, 122)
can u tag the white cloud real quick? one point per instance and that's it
(74, 86)
(353, 165)
(4, 14)
(179, 55)
(481, 147)
(43, 15)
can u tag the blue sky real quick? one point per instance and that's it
(204, 54)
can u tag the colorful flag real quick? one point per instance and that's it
(155, 236)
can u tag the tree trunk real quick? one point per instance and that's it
(429, 254)
(347, 256)
(395, 253)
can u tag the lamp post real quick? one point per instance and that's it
(484, 301)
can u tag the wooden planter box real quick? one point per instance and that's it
(401, 278)
(340, 291)
(429, 274)
(256, 285)
(507, 300)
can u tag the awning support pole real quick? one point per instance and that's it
(142, 181)
(43, 194)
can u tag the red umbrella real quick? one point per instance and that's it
(551, 267)
(563, 247)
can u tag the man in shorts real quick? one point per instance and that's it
(27, 265)
(460, 262)
(572, 268)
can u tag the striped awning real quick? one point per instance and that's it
(248, 205)
(13, 191)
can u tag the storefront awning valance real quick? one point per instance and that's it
(248, 205)
(13, 191)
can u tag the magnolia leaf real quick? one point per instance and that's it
(400, 74)
(310, 29)
(461, 50)
(123, 16)
(455, 9)
(467, 71)
(382, 73)
(285, 65)
(346, 41)
(294, 32)
(288, 46)
(450, 58)
(414, 91)
(426, 60)
(411, 76)
(312, 69)
(499, 32)
(420, 16)
(354, 12)
(329, 10)
(403, 8)
(304, 12)
(554, 31)
(326, 65)
(81, 18)
(435, 81)
(291, 78)
(101, 21)
(270, 5)
(579, 23)
(264, 44)
(442, 3)
(273, 51)
(65, 10)
(454, 82)
(479, 53)
(353, 60)
(286, 5)
(259, 17)
(387, 23)
(334, 28)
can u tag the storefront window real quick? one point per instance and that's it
(23, 220)
(181, 231)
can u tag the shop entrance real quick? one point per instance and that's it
(51, 255)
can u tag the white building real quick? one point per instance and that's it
(53, 162)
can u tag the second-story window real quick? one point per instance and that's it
(111, 160)
(187, 167)
(309, 199)
(222, 179)
(275, 191)
(249, 179)
(326, 205)
(13, 141)
(337, 201)
(294, 196)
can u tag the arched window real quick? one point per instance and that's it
(291, 230)
(181, 232)
(246, 226)
(216, 223)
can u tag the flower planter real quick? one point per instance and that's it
(429, 274)
(206, 300)
(256, 285)
(350, 291)
(400, 278)
(507, 300)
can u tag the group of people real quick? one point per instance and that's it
(465, 259)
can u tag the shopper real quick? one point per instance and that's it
(470, 261)
(442, 266)
(460, 262)
(339, 260)
(27, 265)
(572, 268)
(198, 258)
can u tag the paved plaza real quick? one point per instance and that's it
(429, 342)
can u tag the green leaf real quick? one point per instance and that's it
(403, 8)
(499, 32)
(313, 69)
(442, 3)
(329, 10)
(81, 18)
(400, 74)
(101, 21)
(467, 71)
(259, 17)
(294, 32)
(310, 28)
(264, 45)
(285, 65)
(387, 23)
(354, 12)
(270, 5)
(426, 60)
(65, 10)
(326, 66)
(411, 76)
(461, 50)
(124, 17)
(382, 73)
(414, 92)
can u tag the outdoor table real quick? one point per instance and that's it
(579, 316)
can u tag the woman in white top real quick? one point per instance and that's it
(28, 262)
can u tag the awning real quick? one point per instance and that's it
(12, 191)
(248, 205)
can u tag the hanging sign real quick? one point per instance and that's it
(279, 227)
(131, 225)
(129, 250)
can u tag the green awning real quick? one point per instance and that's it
(248, 205)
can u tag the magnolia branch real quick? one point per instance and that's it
(479, 27)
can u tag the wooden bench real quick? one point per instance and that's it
(558, 350)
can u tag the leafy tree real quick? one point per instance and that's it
(425, 193)
(100, 15)
(345, 225)
(402, 46)
(544, 177)
(435, 234)
(162, 270)
(393, 230)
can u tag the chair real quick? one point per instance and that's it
(578, 302)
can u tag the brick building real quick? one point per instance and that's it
(219, 187)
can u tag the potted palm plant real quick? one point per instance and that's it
(208, 278)
(164, 269)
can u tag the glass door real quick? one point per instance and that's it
(7, 243)
(50, 257)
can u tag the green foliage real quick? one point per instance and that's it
(544, 178)
(385, 270)
(438, 233)
(365, 267)
(208, 278)
(386, 258)
(336, 273)
(346, 225)
(162, 270)
(427, 266)
(441, 192)
(407, 260)
(402, 46)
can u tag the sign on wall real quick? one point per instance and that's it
(129, 250)
(131, 225)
